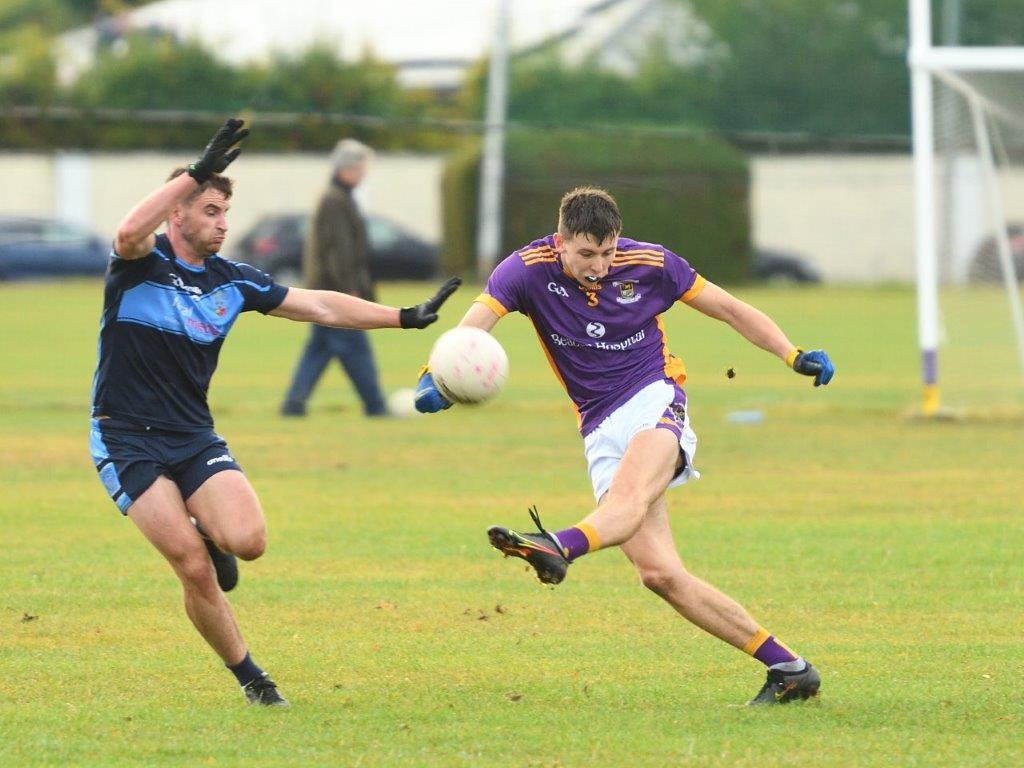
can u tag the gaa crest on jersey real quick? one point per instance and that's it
(627, 291)
(678, 411)
(220, 306)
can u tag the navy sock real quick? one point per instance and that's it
(245, 671)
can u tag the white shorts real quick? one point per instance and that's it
(657, 405)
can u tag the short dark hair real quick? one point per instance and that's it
(589, 211)
(222, 184)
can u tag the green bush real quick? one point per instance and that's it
(460, 201)
(689, 194)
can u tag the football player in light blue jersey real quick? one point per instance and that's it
(169, 301)
(595, 299)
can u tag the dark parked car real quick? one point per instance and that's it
(782, 267)
(274, 244)
(32, 247)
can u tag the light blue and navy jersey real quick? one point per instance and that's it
(163, 325)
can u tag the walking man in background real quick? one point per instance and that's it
(337, 258)
(169, 302)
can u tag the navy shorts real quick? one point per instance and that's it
(129, 458)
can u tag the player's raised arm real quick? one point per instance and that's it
(759, 329)
(135, 238)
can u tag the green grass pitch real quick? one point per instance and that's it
(887, 551)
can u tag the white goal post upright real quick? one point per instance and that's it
(928, 61)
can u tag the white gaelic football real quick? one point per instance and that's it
(402, 403)
(468, 365)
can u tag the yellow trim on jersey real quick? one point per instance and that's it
(558, 375)
(542, 260)
(639, 252)
(674, 367)
(628, 256)
(538, 249)
(534, 255)
(638, 257)
(756, 641)
(491, 303)
(699, 283)
(640, 262)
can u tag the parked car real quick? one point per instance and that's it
(275, 243)
(782, 267)
(35, 247)
(986, 266)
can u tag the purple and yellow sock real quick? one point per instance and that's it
(578, 540)
(766, 649)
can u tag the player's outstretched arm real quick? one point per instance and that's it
(759, 329)
(135, 238)
(428, 398)
(339, 310)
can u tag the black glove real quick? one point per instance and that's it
(218, 154)
(424, 314)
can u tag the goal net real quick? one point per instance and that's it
(970, 209)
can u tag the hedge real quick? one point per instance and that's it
(690, 194)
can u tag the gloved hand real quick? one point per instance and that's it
(815, 363)
(218, 155)
(424, 314)
(428, 399)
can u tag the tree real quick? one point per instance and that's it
(157, 72)
(319, 81)
(832, 67)
(27, 69)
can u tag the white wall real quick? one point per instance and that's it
(849, 215)
(403, 187)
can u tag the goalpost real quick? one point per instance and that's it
(968, 123)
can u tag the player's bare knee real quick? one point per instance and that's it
(629, 503)
(249, 544)
(660, 581)
(667, 581)
(195, 571)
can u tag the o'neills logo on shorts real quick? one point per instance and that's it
(219, 459)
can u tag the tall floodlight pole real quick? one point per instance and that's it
(924, 202)
(492, 166)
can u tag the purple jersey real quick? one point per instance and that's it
(606, 342)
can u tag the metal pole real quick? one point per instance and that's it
(492, 165)
(947, 124)
(924, 205)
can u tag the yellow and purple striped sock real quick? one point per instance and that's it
(766, 649)
(578, 540)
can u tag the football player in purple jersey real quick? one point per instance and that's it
(595, 299)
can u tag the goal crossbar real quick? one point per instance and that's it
(967, 59)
